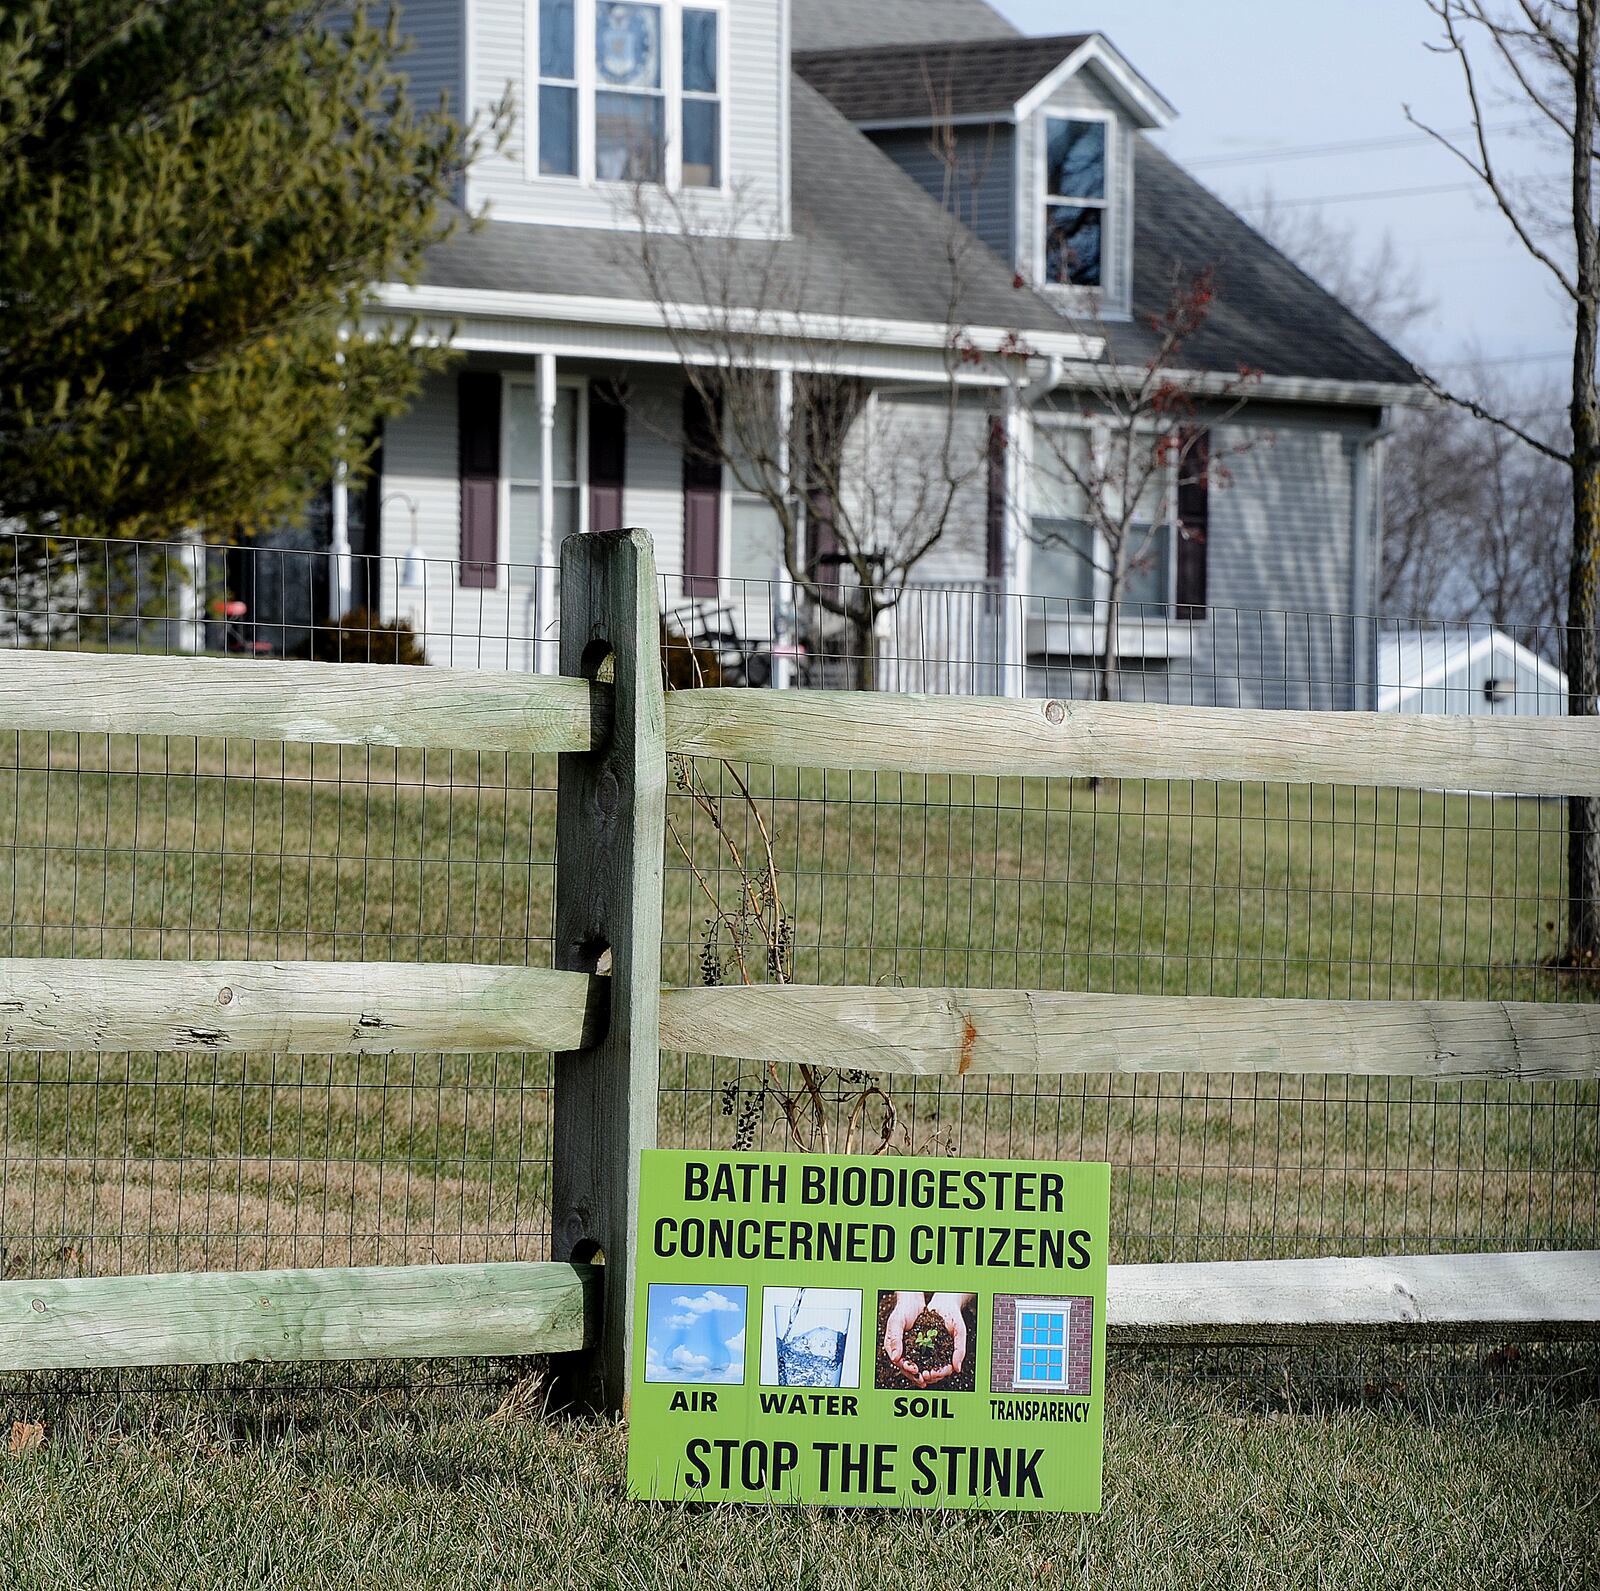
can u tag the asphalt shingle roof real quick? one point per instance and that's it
(867, 238)
(972, 78)
(840, 24)
(1267, 312)
(866, 243)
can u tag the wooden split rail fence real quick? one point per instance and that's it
(614, 728)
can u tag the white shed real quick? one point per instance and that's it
(1466, 670)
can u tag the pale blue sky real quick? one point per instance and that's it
(1267, 77)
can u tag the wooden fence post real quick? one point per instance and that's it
(610, 835)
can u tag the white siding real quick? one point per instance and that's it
(985, 182)
(1279, 575)
(461, 627)
(652, 496)
(466, 628)
(1278, 564)
(500, 34)
(914, 429)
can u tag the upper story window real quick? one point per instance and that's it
(1075, 204)
(630, 91)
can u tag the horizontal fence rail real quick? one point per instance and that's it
(341, 704)
(1430, 1297)
(298, 1316)
(377, 1008)
(495, 710)
(606, 1033)
(1132, 740)
(290, 1007)
(1004, 1032)
(512, 1308)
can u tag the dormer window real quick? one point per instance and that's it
(1075, 188)
(630, 92)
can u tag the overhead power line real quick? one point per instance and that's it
(1349, 146)
(1501, 359)
(1355, 198)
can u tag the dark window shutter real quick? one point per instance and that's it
(478, 426)
(995, 524)
(608, 457)
(1194, 512)
(702, 498)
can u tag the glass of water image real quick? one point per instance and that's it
(811, 1331)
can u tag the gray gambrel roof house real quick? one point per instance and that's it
(825, 144)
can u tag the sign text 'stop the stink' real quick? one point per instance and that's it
(911, 1332)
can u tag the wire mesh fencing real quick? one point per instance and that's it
(129, 846)
(143, 847)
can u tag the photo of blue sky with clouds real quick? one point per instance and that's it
(695, 1334)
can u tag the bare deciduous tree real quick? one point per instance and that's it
(1476, 524)
(863, 478)
(1547, 52)
(1375, 284)
(1135, 436)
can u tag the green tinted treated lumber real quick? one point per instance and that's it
(1431, 1297)
(294, 1007)
(610, 841)
(278, 1317)
(990, 736)
(1015, 1032)
(342, 704)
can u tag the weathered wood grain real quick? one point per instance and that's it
(294, 1007)
(1438, 1297)
(379, 1008)
(610, 837)
(1000, 1032)
(277, 1317)
(1129, 740)
(344, 704)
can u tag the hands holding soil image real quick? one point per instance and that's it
(927, 1340)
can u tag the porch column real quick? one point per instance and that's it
(546, 653)
(339, 586)
(189, 633)
(783, 657)
(1018, 422)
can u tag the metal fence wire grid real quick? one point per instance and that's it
(182, 848)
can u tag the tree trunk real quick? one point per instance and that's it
(1109, 659)
(864, 643)
(1583, 686)
(1583, 585)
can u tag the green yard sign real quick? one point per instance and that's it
(870, 1332)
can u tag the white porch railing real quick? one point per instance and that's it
(943, 640)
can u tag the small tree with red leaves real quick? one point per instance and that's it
(1115, 451)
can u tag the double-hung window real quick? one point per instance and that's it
(1064, 543)
(702, 98)
(1150, 534)
(631, 91)
(1075, 205)
(1041, 1357)
(558, 88)
(1072, 559)
(630, 127)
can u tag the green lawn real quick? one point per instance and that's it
(122, 1163)
(1199, 1492)
(176, 848)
